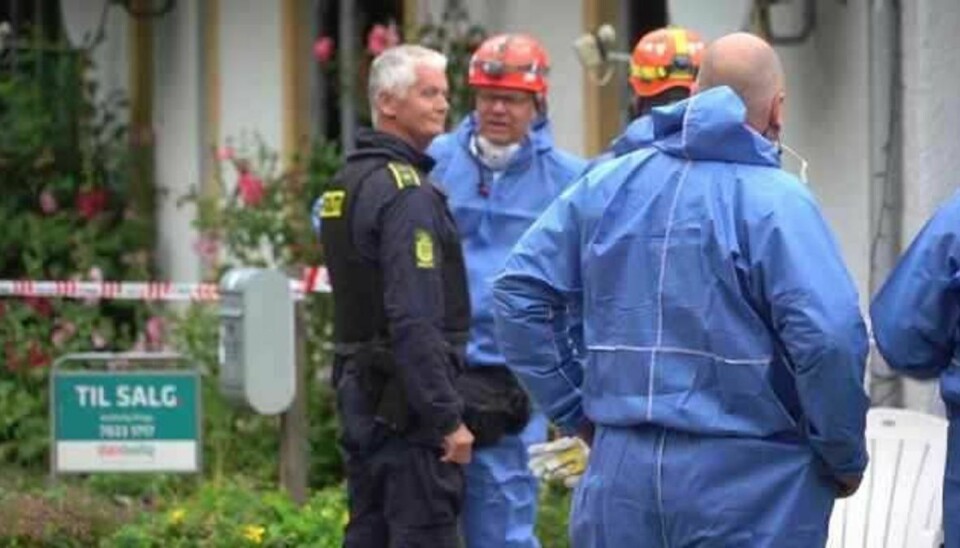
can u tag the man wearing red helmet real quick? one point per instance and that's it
(663, 67)
(501, 170)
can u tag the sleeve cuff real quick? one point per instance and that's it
(851, 467)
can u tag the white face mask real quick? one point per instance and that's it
(804, 164)
(496, 157)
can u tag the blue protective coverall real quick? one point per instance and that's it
(638, 134)
(915, 318)
(492, 211)
(725, 347)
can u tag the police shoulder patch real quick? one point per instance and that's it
(332, 204)
(404, 175)
(423, 249)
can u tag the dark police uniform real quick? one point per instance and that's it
(401, 313)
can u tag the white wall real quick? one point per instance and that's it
(828, 122)
(710, 18)
(251, 87)
(931, 152)
(932, 111)
(178, 119)
(556, 28)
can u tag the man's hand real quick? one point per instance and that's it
(458, 446)
(847, 486)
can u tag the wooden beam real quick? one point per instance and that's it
(295, 423)
(295, 52)
(411, 20)
(142, 188)
(602, 104)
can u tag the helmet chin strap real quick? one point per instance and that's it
(494, 156)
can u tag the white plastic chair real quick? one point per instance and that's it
(899, 502)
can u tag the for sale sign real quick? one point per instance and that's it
(131, 421)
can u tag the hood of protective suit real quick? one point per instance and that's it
(715, 129)
(639, 134)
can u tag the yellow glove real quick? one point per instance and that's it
(563, 459)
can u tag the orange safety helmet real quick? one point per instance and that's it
(510, 61)
(665, 58)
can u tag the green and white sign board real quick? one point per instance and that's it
(126, 421)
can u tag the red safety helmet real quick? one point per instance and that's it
(664, 59)
(510, 61)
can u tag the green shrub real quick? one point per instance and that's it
(553, 516)
(141, 511)
(64, 517)
(66, 212)
(234, 514)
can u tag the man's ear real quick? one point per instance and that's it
(777, 111)
(387, 104)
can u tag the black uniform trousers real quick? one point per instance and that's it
(400, 494)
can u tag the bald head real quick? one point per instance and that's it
(752, 68)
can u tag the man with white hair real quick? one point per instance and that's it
(401, 313)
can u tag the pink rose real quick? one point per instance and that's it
(382, 37)
(90, 203)
(41, 306)
(36, 357)
(48, 202)
(323, 49)
(155, 330)
(63, 333)
(207, 248)
(225, 154)
(251, 189)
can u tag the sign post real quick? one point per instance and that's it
(136, 420)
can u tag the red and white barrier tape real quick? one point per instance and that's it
(314, 281)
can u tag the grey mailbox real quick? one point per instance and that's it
(257, 351)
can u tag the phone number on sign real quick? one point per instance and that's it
(124, 431)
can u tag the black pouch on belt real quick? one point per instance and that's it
(495, 404)
(378, 375)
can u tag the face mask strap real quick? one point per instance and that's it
(804, 164)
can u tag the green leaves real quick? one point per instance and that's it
(64, 214)
(238, 514)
